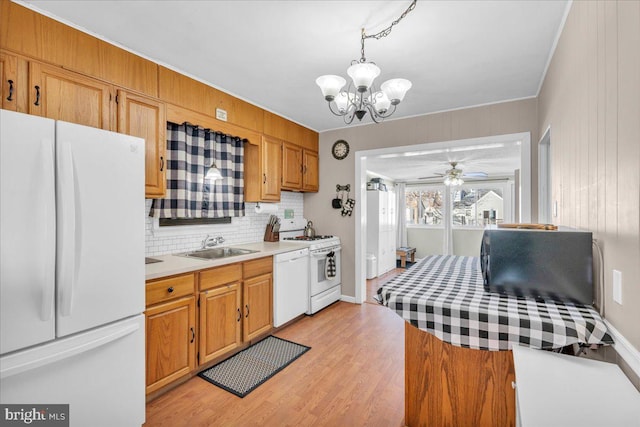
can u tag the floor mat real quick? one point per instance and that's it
(246, 370)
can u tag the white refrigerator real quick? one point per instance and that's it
(72, 285)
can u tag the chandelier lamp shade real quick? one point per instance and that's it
(361, 95)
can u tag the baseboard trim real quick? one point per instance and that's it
(625, 349)
(347, 298)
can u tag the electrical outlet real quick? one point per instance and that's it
(221, 114)
(617, 286)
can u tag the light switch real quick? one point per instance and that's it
(617, 286)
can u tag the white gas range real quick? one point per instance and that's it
(324, 270)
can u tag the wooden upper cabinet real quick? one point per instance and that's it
(9, 81)
(263, 169)
(145, 117)
(63, 95)
(292, 167)
(310, 171)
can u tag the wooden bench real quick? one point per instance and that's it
(403, 253)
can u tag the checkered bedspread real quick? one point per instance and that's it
(444, 295)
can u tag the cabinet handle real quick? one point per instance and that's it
(170, 289)
(247, 307)
(193, 335)
(264, 178)
(239, 315)
(161, 163)
(37, 96)
(10, 97)
(304, 169)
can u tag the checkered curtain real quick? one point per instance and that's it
(190, 151)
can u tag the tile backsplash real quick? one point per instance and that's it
(249, 228)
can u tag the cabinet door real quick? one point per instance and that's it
(220, 321)
(258, 303)
(292, 167)
(170, 341)
(8, 81)
(271, 168)
(63, 95)
(145, 117)
(310, 171)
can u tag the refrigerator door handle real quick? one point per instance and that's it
(15, 364)
(68, 235)
(49, 263)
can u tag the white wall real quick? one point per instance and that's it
(249, 228)
(590, 99)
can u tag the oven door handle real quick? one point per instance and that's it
(325, 253)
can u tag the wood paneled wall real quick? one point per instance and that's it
(590, 99)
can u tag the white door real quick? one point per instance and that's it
(27, 227)
(100, 202)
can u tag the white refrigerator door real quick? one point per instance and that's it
(99, 373)
(100, 221)
(27, 230)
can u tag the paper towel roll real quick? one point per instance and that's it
(267, 208)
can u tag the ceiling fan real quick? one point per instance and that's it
(454, 175)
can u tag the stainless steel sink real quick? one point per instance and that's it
(216, 253)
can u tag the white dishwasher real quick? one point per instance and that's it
(290, 285)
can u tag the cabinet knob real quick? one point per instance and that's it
(10, 97)
(170, 289)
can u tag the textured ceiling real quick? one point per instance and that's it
(456, 53)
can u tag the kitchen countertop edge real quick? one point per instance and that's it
(172, 265)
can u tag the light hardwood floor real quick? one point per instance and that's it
(374, 284)
(352, 376)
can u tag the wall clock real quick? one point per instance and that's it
(340, 149)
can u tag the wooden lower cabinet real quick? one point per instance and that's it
(258, 302)
(170, 341)
(220, 321)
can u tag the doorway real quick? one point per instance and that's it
(361, 160)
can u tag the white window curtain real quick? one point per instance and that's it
(401, 212)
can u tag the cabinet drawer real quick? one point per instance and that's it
(257, 267)
(172, 287)
(220, 276)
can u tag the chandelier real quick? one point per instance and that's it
(453, 176)
(362, 95)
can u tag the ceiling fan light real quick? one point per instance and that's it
(363, 74)
(396, 89)
(380, 102)
(330, 85)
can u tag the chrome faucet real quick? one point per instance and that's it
(209, 242)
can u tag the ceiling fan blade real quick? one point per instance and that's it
(430, 177)
(475, 174)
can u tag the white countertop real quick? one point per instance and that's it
(174, 264)
(560, 390)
